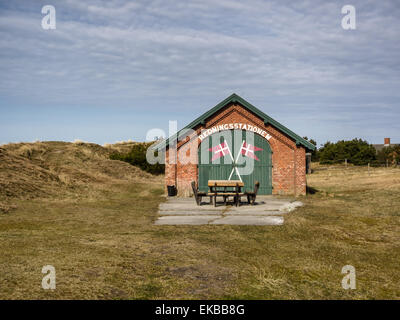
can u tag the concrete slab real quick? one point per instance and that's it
(249, 220)
(181, 220)
(219, 220)
(191, 212)
(268, 210)
(188, 204)
(181, 207)
(250, 212)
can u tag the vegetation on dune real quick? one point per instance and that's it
(59, 170)
(137, 156)
(120, 146)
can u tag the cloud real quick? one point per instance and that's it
(174, 53)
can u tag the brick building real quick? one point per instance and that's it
(235, 140)
(386, 143)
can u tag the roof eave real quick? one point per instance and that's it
(232, 99)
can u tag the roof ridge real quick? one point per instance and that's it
(236, 98)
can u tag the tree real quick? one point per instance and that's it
(356, 151)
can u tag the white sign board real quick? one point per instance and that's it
(234, 126)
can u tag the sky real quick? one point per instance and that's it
(113, 70)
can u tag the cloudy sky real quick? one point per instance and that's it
(112, 70)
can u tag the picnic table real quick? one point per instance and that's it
(225, 189)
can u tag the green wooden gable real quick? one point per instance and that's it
(234, 98)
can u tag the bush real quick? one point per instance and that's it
(389, 154)
(356, 151)
(137, 157)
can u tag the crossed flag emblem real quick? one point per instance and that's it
(246, 149)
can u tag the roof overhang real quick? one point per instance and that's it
(234, 98)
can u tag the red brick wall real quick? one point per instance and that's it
(288, 160)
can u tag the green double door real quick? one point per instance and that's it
(236, 155)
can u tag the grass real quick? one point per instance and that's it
(103, 244)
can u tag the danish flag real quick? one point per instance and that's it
(220, 150)
(248, 150)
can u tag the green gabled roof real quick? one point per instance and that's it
(233, 98)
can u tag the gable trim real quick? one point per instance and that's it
(234, 98)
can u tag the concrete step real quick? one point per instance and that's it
(250, 220)
(190, 212)
(220, 220)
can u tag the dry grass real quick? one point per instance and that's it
(104, 245)
(51, 169)
(120, 146)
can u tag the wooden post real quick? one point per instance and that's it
(387, 163)
(368, 169)
(215, 194)
(345, 162)
(236, 197)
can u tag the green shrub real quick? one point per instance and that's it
(137, 157)
(356, 151)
